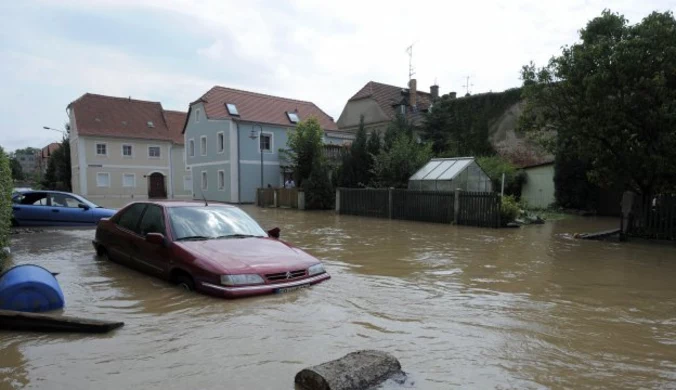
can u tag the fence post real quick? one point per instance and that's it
(301, 200)
(456, 205)
(337, 200)
(389, 202)
(275, 201)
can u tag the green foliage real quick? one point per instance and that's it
(495, 166)
(405, 156)
(400, 125)
(17, 171)
(305, 145)
(373, 146)
(319, 193)
(460, 127)
(572, 188)
(58, 174)
(509, 209)
(357, 162)
(6, 187)
(610, 98)
(28, 150)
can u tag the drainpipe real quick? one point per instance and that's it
(170, 182)
(239, 173)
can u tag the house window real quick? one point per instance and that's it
(191, 148)
(402, 109)
(128, 180)
(153, 151)
(126, 151)
(221, 142)
(150, 124)
(203, 145)
(103, 179)
(187, 183)
(293, 116)
(266, 143)
(221, 180)
(232, 109)
(101, 149)
(197, 115)
(205, 184)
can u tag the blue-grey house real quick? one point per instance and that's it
(226, 132)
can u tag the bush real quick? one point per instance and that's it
(509, 209)
(319, 193)
(6, 186)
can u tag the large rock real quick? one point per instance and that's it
(355, 371)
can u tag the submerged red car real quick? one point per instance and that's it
(214, 249)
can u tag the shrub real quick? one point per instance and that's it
(6, 185)
(319, 193)
(509, 209)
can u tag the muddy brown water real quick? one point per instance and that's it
(460, 307)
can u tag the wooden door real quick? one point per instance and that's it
(156, 186)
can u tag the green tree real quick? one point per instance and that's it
(373, 146)
(357, 163)
(17, 171)
(611, 98)
(304, 147)
(58, 173)
(6, 188)
(319, 192)
(495, 166)
(393, 167)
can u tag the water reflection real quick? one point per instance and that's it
(461, 307)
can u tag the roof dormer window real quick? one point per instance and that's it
(150, 124)
(232, 109)
(293, 116)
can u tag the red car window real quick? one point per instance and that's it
(130, 217)
(152, 221)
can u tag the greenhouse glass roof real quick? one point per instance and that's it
(442, 168)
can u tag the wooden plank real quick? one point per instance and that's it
(15, 320)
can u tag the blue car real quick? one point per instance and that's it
(55, 208)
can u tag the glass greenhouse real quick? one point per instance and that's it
(449, 174)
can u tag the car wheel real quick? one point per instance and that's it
(102, 253)
(185, 282)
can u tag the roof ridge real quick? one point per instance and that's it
(128, 99)
(395, 86)
(176, 111)
(260, 94)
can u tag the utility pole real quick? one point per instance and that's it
(411, 70)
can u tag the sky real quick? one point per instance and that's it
(324, 51)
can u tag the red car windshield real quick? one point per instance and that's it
(207, 222)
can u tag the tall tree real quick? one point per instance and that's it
(305, 147)
(58, 173)
(17, 170)
(358, 161)
(611, 98)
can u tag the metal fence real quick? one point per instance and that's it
(464, 208)
(654, 218)
(479, 209)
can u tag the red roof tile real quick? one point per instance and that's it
(257, 107)
(389, 96)
(176, 121)
(108, 116)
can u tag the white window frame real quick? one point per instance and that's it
(154, 157)
(96, 149)
(191, 147)
(220, 149)
(97, 179)
(133, 175)
(122, 151)
(197, 115)
(203, 151)
(221, 185)
(204, 184)
(272, 143)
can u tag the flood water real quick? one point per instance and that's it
(460, 307)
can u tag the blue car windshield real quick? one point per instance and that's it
(209, 222)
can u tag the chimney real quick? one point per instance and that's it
(452, 95)
(412, 93)
(434, 91)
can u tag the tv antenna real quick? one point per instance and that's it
(467, 85)
(411, 70)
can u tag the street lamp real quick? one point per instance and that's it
(64, 132)
(260, 145)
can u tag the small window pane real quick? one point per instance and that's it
(128, 180)
(129, 218)
(203, 146)
(293, 117)
(187, 183)
(126, 150)
(266, 140)
(205, 185)
(192, 148)
(197, 115)
(221, 142)
(101, 149)
(154, 151)
(153, 221)
(232, 109)
(103, 180)
(221, 180)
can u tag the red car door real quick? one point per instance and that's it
(117, 239)
(147, 255)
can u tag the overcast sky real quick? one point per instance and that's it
(172, 51)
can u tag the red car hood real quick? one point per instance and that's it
(249, 255)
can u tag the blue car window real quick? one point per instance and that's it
(33, 198)
(130, 217)
(61, 200)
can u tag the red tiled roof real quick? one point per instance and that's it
(48, 150)
(389, 96)
(257, 107)
(176, 121)
(109, 116)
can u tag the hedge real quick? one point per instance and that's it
(6, 186)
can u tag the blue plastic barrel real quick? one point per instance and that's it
(30, 288)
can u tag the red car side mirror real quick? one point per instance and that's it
(274, 233)
(155, 238)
